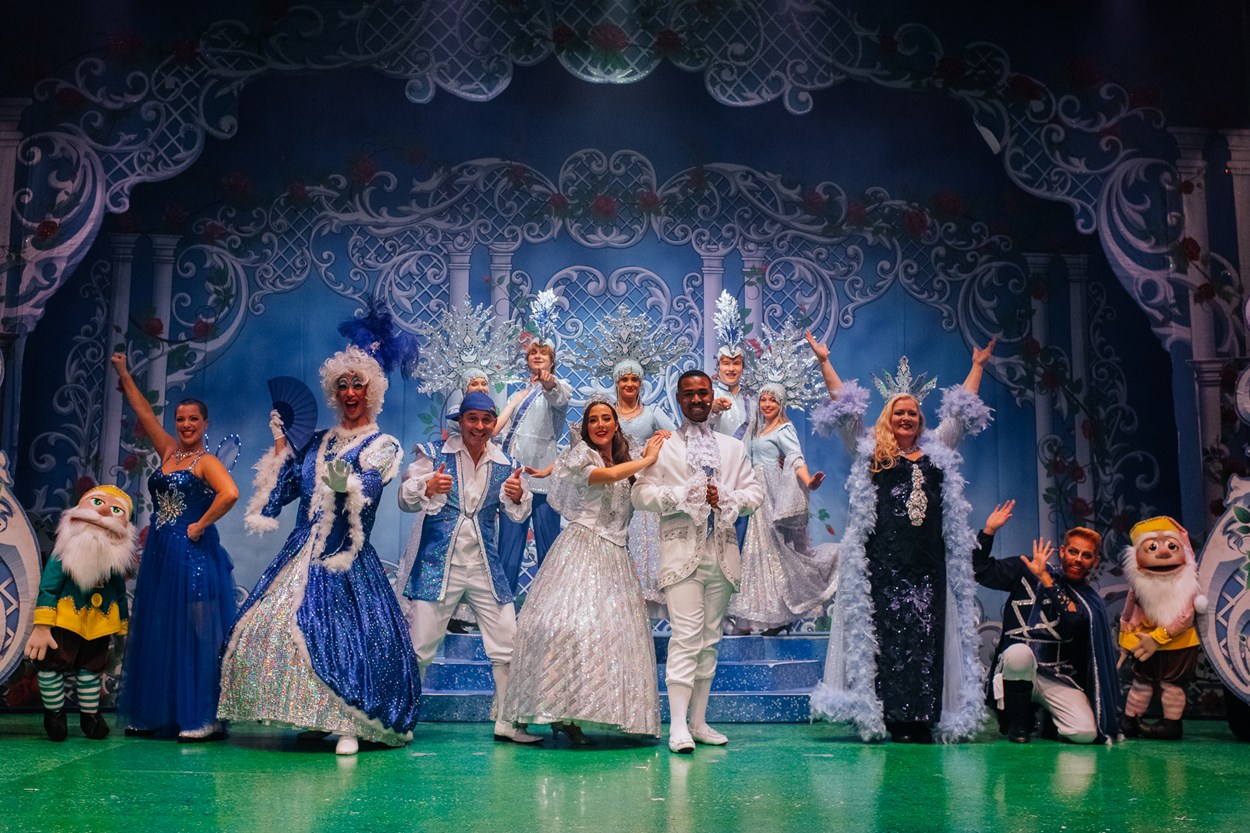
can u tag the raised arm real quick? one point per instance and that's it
(161, 440)
(611, 474)
(832, 381)
(216, 476)
(980, 356)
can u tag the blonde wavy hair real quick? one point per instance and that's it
(885, 454)
(346, 362)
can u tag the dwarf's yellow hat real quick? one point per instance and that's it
(113, 491)
(1161, 523)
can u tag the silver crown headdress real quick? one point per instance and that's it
(624, 343)
(730, 326)
(543, 315)
(785, 367)
(466, 342)
(903, 383)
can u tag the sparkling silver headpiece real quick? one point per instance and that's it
(784, 367)
(467, 341)
(543, 315)
(624, 343)
(903, 383)
(730, 326)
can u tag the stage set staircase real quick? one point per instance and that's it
(759, 679)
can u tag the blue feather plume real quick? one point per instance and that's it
(376, 334)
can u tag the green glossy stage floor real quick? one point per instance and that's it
(771, 777)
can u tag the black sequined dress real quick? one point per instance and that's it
(907, 572)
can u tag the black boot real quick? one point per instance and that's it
(1131, 726)
(1162, 730)
(54, 724)
(1018, 709)
(93, 725)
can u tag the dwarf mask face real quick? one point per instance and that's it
(1160, 553)
(105, 509)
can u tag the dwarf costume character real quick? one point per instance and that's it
(1157, 624)
(81, 605)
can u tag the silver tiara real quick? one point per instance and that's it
(903, 383)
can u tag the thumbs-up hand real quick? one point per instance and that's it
(512, 487)
(439, 482)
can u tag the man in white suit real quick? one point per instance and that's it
(700, 485)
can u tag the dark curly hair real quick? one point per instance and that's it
(620, 445)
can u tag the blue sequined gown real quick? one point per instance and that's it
(183, 604)
(321, 643)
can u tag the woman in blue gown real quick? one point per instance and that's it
(184, 592)
(321, 643)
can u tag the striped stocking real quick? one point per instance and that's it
(52, 690)
(88, 684)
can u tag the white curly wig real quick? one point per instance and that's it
(354, 360)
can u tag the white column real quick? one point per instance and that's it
(1239, 167)
(1192, 167)
(753, 291)
(713, 280)
(163, 246)
(119, 322)
(500, 278)
(458, 277)
(1043, 403)
(1078, 311)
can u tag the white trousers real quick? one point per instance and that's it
(696, 611)
(428, 620)
(1067, 705)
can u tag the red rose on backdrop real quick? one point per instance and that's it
(202, 328)
(1050, 379)
(1030, 347)
(517, 173)
(668, 42)
(214, 231)
(1024, 87)
(698, 178)
(124, 44)
(1081, 507)
(1089, 429)
(1057, 464)
(1187, 186)
(153, 326)
(948, 204)
(23, 691)
(609, 37)
(856, 213)
(143, 538)
(139, 431)
(69, 98)
(129, 221)
(1077, 472)
(1082, 73)
(297, 192)
(363, 170)
(1205, 292)
(558, 202)
(562, 35)
(84, 484)
(1038, 289)
(951, 68)
(236, 184)
(649, 201)
(604, 207)
(131, 462)
(174, 215)
(186, 50)
(1190, 248)
(915, 222)
(47, 230)
(814, 201)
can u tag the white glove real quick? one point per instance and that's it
(336, 475)
(275, 425)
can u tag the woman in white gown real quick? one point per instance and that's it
(584, 652)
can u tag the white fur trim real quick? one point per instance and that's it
(354, 504)
(266, 480)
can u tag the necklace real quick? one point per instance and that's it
(179, 456)
(627, 413)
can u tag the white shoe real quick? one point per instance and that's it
(681, 744)
(347, 745)
(516, 734)
(706, 734)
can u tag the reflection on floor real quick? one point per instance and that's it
(770, 778)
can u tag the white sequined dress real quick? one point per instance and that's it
(784, 575)
(584, 651)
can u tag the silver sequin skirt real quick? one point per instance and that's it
(267, 676)
(584, 651)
